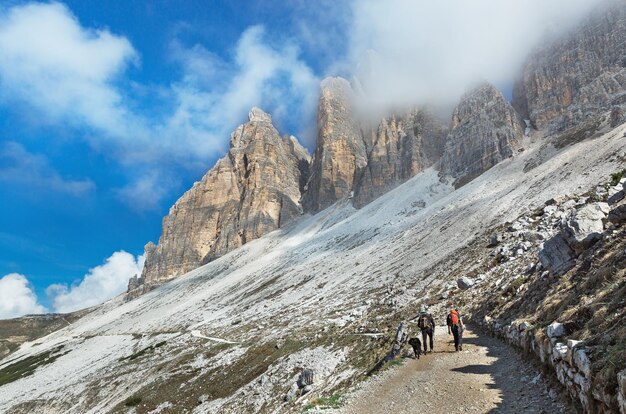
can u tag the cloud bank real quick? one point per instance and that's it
(100, 284)
(407, 52)
(17, 297)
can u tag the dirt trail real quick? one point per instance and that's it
(486, 377)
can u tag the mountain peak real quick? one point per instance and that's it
(258, 115)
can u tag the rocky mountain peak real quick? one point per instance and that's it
(485, 130)
(254, 189)
(258, 115)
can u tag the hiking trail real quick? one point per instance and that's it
(486, 377)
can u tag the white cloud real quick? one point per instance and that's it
(18, 166)
(17, 298)
(64, 70)
(77, 76)
(146, 191)
(431, 51)
(100, 284)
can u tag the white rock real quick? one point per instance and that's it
(556, 330)
(465, 282)
(559, 351)
(582, 362)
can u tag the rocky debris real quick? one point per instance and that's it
(576, 77)
(340, 150)
(485, 130)
(465, 282)
(255, 189)
(579, 229)
(399, 148)
(134, 282)
(495, 239)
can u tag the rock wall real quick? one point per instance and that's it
(485, 130)
(568, 360)
(340, 150)
(401, 147)
(579, 76)
(253, 190)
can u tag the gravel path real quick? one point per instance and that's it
(486, 377)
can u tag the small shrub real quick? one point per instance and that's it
(616, 177)
(334, 401)
(132, 401)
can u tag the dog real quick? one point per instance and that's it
(417, 346)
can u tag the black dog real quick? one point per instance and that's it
(417, 346)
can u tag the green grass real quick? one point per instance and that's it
(334, 401)
(28, 365)
(616, 177)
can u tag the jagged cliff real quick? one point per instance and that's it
(485, 130)
(401, 147)
(253, 190)
(577, 76)
(340, 150)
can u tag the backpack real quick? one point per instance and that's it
(424, 321)
(453, 318)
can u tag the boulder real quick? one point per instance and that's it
(618, 214)
(307, 377)
(585, 226)
(556, 255)
(495, 239)
(465, 282)
(556, 330)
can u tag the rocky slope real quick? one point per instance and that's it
(253, 190)
(485, 130)
(577, 77)
(324, 294)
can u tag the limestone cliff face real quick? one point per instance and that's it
(485, 130)
(253, 190)
(401, 147)
(577, 77)
(340, 151)
(352, 158)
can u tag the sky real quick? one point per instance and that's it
(110, 111)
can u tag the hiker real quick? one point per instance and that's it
(455, 324)
(426, 323)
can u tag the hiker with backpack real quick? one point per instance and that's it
(426, 323)
(456, 327)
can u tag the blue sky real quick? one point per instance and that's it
(110, 110)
